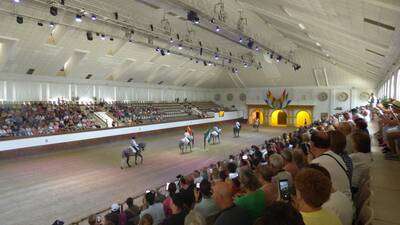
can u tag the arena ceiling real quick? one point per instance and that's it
(336, 42)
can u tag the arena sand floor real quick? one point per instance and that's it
(72, 184)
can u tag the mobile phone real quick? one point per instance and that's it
(167, 186)
(233, 175)
(198, 185)
(210, 170)
(284, 190)
(245, 157)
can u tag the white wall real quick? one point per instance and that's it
(299, 96)
(15, 87)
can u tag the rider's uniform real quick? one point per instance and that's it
(187, 138)
(134, 146)
(237, 124)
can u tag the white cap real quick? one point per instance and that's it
(114, 207)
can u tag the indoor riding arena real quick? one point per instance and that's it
(199, 112)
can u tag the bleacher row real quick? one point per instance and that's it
(47, 118)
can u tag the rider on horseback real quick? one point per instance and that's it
(237, 124)
(187, 137)
(133, 145)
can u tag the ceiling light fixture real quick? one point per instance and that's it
(103, 37)
(217, 29)
(78, 18)
(94, 17)
(318, 44)
(302, 26)
(51, 24)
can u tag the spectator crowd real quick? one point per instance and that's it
(312, 176)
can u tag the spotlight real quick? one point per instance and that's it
(17, 1)
(89, 36)
(192, 16)
(257, 48)
(250, 43)
(53, 11)
(245, 65)
(216, 57)
(40, 24)
(209, 63)
(217, 28)
(51, 24)
(168, 52)
(94, 17)
(240, 40)
(171, 40)
(78, 18)
(20, 19)
(103, 37)
(180, 46)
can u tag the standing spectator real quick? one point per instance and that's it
(207, 206)
(338, 202)
(288, 162)
(338, 145)
(231, 214)
(276, 163)
(179, 211)
(132, 212)
(313, 189)
(361, 157)
(155, 210)
(321, 154)
(254, 199)
(187, 190)
(280, 213)
(168, 201)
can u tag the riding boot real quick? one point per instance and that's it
(127, 162)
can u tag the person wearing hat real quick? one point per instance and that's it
(114, 216)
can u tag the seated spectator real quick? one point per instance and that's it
(276, 164)
(178, 211)
(346, 129)
(338, 145)
(132, 212)
(280, 213)
(94, 220)
(168, 201)
(146, 220)
(195, 218)
(288, 163)
(338, 202)
(265, 175)
(207, 206)
(313, 189)
(231, 214)
(361, 157)
(254, 199)
(155, 210)
(322, 155)
(361, 125)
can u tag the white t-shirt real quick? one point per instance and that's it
(156, 211)
(361, 165)
(341, 206)
(340, 180)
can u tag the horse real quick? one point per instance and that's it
(236, 130)
(184, 144)
(212, 134)
(127, 153)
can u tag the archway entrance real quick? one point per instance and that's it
(303, 118)
(278, 118)
(257, 113)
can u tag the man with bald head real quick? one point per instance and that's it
(230, 214)
(321, 154)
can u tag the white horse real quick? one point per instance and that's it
(184, 143)
(128, 152)
(216, 134)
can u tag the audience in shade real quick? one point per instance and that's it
(361, 157)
